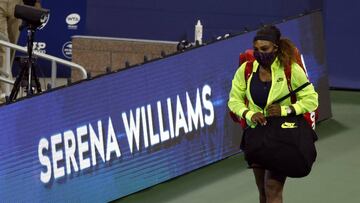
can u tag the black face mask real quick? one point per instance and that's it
(265, 59)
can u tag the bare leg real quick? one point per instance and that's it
(259, 174)
(274, 184)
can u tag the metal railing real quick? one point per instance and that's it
(54, 61)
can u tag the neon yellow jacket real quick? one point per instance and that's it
(307, 98)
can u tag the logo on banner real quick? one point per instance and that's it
(39, 47)
(67, 50)
(72, 21)
(44, 23)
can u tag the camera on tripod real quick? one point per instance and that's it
(32, 18)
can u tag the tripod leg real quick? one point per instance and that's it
(36, 80)
(17, 84)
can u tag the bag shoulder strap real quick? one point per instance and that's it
(287, 71)
(248, 70)
(292, 92)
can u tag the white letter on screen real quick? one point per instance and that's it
(171, 118)
(44, 160)
(154, 138)
(57, 156)
(132, 130)
(209, 119)
(97, 143)
(164, 134)
(194, 115)
(145, 131)
(83, 147)
(112, 143)
(180, 118)
(70, 149)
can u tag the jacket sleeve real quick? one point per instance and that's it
(307, 98)
(237, 96)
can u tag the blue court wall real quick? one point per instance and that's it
(174, 20)
(152, 19)
(170, 20)
(342, 43)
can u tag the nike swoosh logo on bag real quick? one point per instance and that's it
(288, 125)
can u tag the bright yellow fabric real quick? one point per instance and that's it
(307, 98)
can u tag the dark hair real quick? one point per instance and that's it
(286, 49)
(287, 52)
